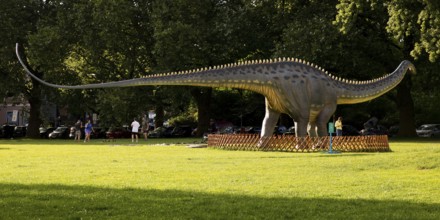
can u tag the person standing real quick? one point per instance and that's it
(88, 130)
(145, 127)
(78, 126)
(135, 130)
(338, 126)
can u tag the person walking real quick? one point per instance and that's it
(338, 126)
(135, 130)
(88, 130)
(78, 126)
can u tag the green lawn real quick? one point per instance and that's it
(61, 179)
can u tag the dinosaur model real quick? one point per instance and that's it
(302, 90)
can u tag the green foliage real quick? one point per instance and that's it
(91, 42)
(361, 53)
(13, 14)
(119, 106)
(78, 42)
(244, 107)
(419, 18)
(414, 23)
(191, 34)
(102, 180)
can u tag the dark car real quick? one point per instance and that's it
(378, 130)
(182, 131)
(118, 132)
(99, 132)
(280, 130)
(290, 131)
(44, 132)
(60, 132)
(348, 130)
(252, 130)
(161, 132)
(393, 130)
(8, 131)
(20, 131)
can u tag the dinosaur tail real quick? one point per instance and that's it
(123, 83)
(361, 91)
(220, 76)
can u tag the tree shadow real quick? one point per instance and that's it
(83, 202)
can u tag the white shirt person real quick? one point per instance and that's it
(135, 130)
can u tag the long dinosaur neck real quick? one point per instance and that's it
(362, 91)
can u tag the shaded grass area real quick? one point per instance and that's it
(81, 202)
(157, 179)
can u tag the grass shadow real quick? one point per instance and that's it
(82, 202)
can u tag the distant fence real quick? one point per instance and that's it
(290, 143)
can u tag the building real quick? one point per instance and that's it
(15, 111)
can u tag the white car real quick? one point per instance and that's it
(429, 130)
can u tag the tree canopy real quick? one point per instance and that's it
(82, 41)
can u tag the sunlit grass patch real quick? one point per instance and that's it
(160, 179)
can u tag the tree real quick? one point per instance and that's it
(411, 27)
(91, 42)
(311, 36)
(191, 34)
(18, 20)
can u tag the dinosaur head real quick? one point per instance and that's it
(411, 67)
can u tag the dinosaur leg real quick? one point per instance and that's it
(311, 129)
(301, 127)
(301, 133)
(323, 118)
(269, 121)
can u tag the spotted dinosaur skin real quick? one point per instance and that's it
(302, 90)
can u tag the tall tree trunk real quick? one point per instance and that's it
(35, 121)
(34, 98)
(203, 99)
(405, 104)
(159, 119)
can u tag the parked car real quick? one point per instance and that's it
(290, 131)
(428, 130)
(161, 132)
(378, 130)
(44, 132)
(99, 132)
(393, 130)
(182, 131)
(280, 130)
(229, 130)
(20, 131)
(118, 132)
(252, 130)
(349, 130)
(60, 132)
(8, 131)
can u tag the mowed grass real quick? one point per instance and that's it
(61, 179)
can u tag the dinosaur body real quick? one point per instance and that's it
(305, 92)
